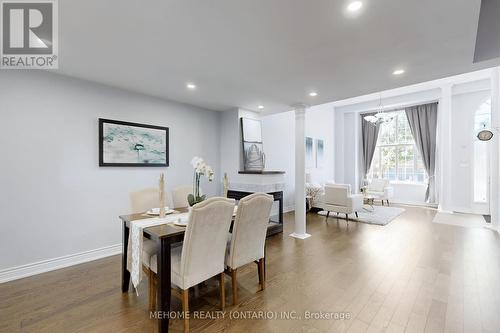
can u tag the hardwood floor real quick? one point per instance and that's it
(409, 276)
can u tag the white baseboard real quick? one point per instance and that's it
(300, 236)
(413, 203)
(19, 272)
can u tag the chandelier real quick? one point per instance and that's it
(381, 116)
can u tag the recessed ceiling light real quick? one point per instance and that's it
(354, 6)
(191, 86)
(313, 94)
(260, 107)
(398, 72)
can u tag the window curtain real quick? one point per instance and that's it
(369, 136)
(423, 125)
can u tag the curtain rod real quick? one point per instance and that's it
(402, 107)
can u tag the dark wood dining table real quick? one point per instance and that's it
(164, 235)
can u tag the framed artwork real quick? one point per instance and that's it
(310, 160)
(251, 139)
(254, 156)
(320, 153)
(130, 144)
(251, 130)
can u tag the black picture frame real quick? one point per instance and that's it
(102, 163)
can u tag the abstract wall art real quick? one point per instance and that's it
(131, 144)
(320, 153)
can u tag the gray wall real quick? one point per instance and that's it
(55, 200)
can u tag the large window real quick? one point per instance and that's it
(396, 157)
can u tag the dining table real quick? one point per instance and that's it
(164, 236)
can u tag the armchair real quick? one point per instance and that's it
(381, 189)
(338, 199)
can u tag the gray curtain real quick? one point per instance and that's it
(423, 125)
(369, 136)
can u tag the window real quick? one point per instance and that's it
(396, 157)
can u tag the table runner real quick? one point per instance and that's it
(135, 244)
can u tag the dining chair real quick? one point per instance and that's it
(248, 238)
(201, 256)
(145, 199)
(142, 201)
(179, 196)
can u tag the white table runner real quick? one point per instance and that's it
(135, 244)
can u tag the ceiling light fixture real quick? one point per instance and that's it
(191, 86)
(398, 72)
(381, 116)
(354, 6)
(313, 94)
(260, 107)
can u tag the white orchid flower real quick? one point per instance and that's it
(200, 168)
(196, 161)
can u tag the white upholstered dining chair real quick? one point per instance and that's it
(145, 199)
(179, 196)
(247, 240)
(202, 253)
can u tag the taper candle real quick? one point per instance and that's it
(162, 195)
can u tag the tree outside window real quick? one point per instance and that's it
(396, 157)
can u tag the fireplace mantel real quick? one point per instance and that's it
(262, 172)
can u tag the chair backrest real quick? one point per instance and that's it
(337, 194)
(179, 196)
(205, 240)
(145, 199)
(378, 185)
(250, 229)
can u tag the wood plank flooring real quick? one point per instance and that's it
(409, 276)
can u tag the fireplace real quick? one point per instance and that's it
(238, 191)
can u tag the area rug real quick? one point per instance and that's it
(460, 220)
(380, 216)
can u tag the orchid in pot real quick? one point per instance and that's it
(200, 169)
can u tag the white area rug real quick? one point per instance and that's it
(380, 216)
(460, 220)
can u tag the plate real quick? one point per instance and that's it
(156, 211)
(181, 222)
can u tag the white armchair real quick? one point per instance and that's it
(381, 189)
(338, 199)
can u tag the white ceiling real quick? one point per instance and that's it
(269, 52)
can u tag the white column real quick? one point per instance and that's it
(495, 152)
(300, 172)
(339, 148)
(444, 144)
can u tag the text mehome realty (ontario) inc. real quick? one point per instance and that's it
(252, 315)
